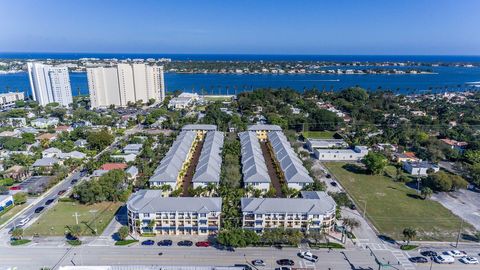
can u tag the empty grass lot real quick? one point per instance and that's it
(319, 134)
(7, 214)
(55, 221)
(392, 206)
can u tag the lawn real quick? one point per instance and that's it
(56, 220)
(10, 212)
(392, 206)
(319, 134)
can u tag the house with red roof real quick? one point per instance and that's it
(113, 166)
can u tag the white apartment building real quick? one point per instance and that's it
(355, 154)
(314, 211)
(125, 83)
(149, 212)
(49, 84)
(9, 99)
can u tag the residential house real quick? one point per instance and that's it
(254, 168)
(125, 158)
(47, 136)
(60, 129)
(456, 145)
(45, 164)
(420, 168)
(81, 143)
(210, 161)
(17, 173)
(133, 148)
(51, 152)
(313, 144)
(355, 154)
(132, 171)
(173, 215)
(44, 122)
(406, 156)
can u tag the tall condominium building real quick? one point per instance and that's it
(125, 83)
(50, 84)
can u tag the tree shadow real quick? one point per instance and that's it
(414, 196)
(354, 168)
(469, 237)
(387, 239)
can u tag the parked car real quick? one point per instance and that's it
(353, 206)
(148, 243)
(455, 253)
(165, 243)
(418, 259)
(74, 181)
(202, 244)
(334, 184)
(429, 253)
(328, 175)
(258, 262)
(444, 259)
(185, 243)
(307, 255)
(244, 266)
(48, 202)
(61, 192)
(39, 209)
(469, 260)
(285, 262)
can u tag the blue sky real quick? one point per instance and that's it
(242, 26)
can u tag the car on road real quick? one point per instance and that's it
(334, 184)
(165, 243)
(258, 262)
(74, 181)
(469, 260)
(285, 262)
(307, 255)
(23, 221)
(328, 175)
(202, 244)
(455, 253)
(148, 243)
(283, 268)
(185, 243)
(49, 201)
(429, 253)
(353, 206)
(61, 192)
(39, 209)
(418, 259)
(444, 259)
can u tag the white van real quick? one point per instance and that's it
(444, 259)
(23, 221)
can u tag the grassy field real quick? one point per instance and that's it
(392, 206)
(218, 98)
(4, 216)
(319, 134)
(56, 220)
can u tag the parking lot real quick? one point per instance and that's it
(463, 203)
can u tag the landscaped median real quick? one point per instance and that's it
(57, 220)
(392, 206)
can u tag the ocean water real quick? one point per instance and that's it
(445, 79)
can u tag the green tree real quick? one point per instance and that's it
(20, 198)
(472, 156)
(75, 231)
(409, 234)
(17, 233)
(426, 192)
(350, 223)
(100, 139)
(123, 232)
(375, 162)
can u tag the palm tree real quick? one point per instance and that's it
(350, 224)
(76, 231)
(211, 188)
(17, 233)
(426, 192)
(409, 234)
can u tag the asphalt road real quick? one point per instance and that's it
(52, 193)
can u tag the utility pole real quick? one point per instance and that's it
(459, 232)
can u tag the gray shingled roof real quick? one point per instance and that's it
(208, 167)
(264, 127)
(171, 164)
(45, 162)
(290, 164)
(199, 127)
(151, 201)
(314, 204)
(253, 164)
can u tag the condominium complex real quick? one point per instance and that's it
(254, 169)
(124, 84)
(49, 84)
(194, 159)
(150, 212)
(9, 99)
(314, 211)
